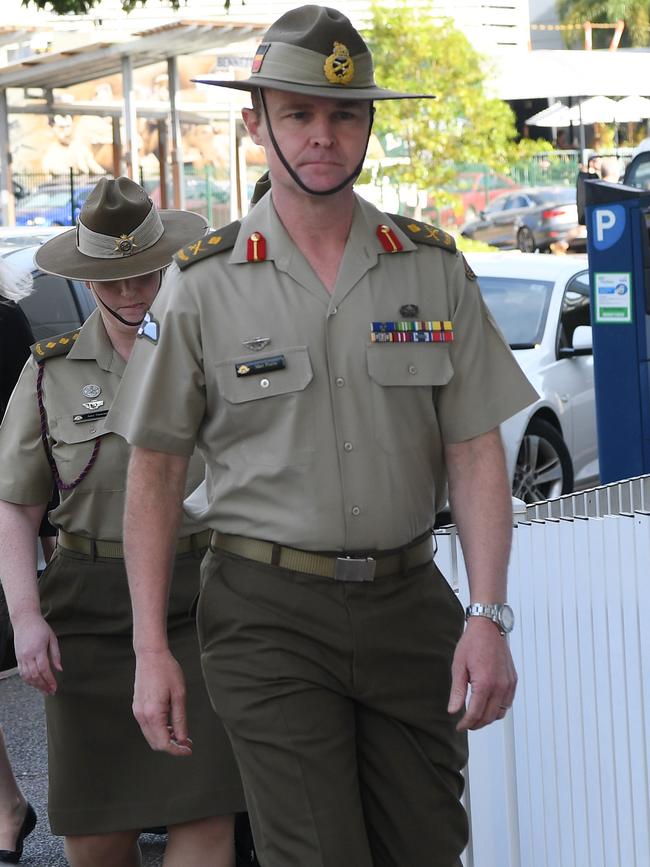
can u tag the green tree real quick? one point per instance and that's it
(414, 52)
(81, 7)
(635, 14)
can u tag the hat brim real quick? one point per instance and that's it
(60, 255)
(328, 91)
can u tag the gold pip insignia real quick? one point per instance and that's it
(339, 66)
(422, 233)
(60, 345)
(217, 242)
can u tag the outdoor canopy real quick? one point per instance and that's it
(596, 109)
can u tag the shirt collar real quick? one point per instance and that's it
(93, 344)
(263, 218)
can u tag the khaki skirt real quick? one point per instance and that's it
(103, 776)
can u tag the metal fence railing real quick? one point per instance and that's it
(50, 200)
(55, 200)
(563, 780)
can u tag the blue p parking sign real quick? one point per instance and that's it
(607, 225)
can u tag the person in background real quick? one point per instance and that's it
(610, 169)
(17, 816)
(73, 632)
(589, 173)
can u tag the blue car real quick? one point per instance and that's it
(51, 206)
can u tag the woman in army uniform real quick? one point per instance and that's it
(73, 633)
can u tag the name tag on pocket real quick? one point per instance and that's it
(260, 365)
(82, 417)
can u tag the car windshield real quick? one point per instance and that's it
(46, 199)
(519, 306)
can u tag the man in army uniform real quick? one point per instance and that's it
(336, 366)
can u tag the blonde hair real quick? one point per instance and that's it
(14, 284)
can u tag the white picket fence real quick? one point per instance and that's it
(564, 780)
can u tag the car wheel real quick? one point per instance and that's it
(526, 240)
(543, 469)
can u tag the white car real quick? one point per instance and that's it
(541, 304)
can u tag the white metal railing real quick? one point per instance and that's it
(631, 495)
(564, 781)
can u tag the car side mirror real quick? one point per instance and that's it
(583, 343)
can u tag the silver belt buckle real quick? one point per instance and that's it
(351, 569)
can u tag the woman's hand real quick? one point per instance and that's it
(37, 652)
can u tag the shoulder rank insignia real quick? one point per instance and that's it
(423, 233)
(53, 346)
(214, 242)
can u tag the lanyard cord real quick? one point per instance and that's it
(276, 147)
(61, 485)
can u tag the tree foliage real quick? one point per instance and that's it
(81, 7)
(635, 14)
(414, 52)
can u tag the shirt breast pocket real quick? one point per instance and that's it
(72, 445)
(267, 414)
(403, 378)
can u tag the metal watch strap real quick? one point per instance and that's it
(494, 612)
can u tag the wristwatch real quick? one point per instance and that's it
(501, 615)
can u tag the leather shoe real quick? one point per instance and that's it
(12, 856)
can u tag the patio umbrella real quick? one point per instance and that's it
(631, 109)
(555, 115)
(596, 109)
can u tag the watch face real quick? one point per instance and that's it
(507, 618)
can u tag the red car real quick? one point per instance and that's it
(473, 191)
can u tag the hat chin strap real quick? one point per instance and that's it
(337, 189)
(121, 318)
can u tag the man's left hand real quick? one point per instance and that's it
(483, 662)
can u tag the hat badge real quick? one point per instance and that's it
(125, 244)
(339, 66)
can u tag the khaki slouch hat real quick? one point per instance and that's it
(315, 50)
(119, 234)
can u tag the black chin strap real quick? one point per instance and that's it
(121, 318)
(337, 189)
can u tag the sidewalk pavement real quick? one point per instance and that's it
(23, 723)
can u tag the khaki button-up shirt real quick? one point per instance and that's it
(93, 508)
(313, 435)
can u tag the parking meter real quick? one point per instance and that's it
(618, 243)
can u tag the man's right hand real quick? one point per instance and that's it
(37, 652)
(159, 702)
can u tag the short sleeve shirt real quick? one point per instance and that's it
(314, 435)
(77, 388)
